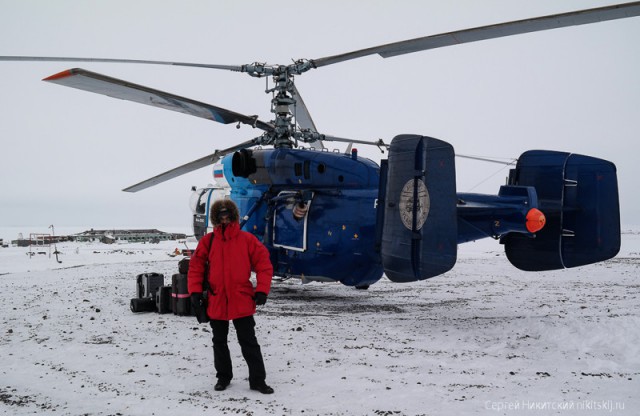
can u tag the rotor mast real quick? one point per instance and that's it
(285, 133)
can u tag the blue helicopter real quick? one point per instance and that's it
(339, 217)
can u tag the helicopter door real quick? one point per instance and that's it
(420, 231)
(290, 221)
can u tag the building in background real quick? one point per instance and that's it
(112, 236)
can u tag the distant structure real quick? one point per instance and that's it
(113, 236)
(102, 236)
(39, 240)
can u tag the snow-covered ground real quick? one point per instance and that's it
(484, 338)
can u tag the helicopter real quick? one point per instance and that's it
(327, 216)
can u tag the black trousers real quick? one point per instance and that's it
(248, 344)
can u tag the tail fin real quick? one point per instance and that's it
(579, 197)
(419, 234)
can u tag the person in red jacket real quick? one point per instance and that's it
(232, 255)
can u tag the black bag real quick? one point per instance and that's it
(142, 305)
(183, 265)
(201, 311)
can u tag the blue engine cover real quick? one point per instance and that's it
(579, 197)
(419, 235)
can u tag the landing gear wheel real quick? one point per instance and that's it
(362, 287)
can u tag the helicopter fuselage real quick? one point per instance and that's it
(319, 212)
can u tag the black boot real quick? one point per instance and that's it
(261, 387)
(221, 385)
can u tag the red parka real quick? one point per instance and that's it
(235, 253)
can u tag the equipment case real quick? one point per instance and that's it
(181, 302)
(148, 283)
(163, 299)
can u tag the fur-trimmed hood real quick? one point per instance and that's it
(219, 205)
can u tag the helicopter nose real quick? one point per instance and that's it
(535, 220)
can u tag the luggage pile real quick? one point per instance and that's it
(154, 296)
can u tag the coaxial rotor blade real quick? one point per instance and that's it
(101, 84)
(237, 68)
(303, 116)
(581, 17)
(189, 167)
(378, 142)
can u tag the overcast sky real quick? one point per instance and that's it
(66, 154)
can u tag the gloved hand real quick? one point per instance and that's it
(260, 298)
(199, 307)
(196, 301)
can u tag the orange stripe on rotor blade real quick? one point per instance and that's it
(59, 75)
